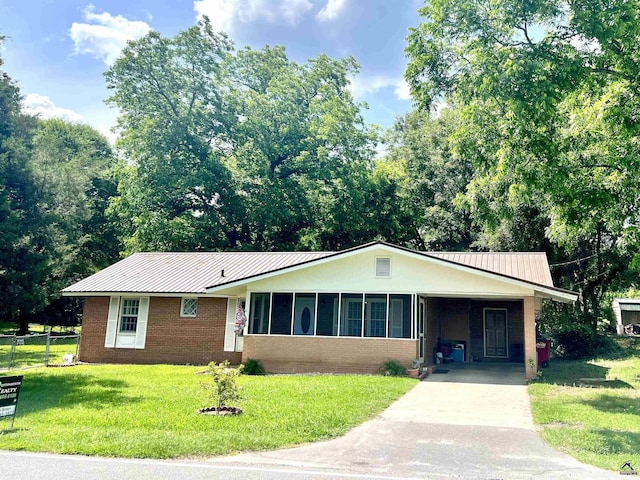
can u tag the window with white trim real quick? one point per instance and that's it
(380, 315)
(129, 315)
(189, 307)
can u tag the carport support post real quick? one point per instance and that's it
(530, 353)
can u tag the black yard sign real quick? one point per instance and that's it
(9, 392)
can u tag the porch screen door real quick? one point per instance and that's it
(495, 333)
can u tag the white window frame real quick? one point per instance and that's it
(115, 337)
(341, 311)
(182, 304)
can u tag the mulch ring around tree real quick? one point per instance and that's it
(220, 411)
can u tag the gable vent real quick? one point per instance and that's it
(383, 267)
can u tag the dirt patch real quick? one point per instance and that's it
(220, 411)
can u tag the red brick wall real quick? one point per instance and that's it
(170, 338)
(300, 354)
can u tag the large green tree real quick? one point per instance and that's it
(71, 165)
(301, 139)
(435, 177)
(548, 95)
(175, 192)
(231, 149)
(25, 247)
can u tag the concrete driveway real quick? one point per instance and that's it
(472, 422)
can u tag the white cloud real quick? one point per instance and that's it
(105, 35)
(331, 10)
(402, 90)
(226, 14)
(43, 106)
(220, 12)
(362, 86)
(293, 10)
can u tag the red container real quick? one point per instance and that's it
(543, 347)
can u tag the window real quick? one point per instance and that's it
(259, 321)
(375, 316)
(129, 315)
(399, 316)
(127, 322)
(281, 313)
(327, 314)
(189, 307)
(383, 267)
(351, 318)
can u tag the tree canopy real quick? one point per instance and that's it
(548, 96)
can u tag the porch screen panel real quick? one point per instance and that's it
(327, 314)
(304, 314)
(400, 316)
(375, 315)
(351, 315)
(259, 314)
(281, 313)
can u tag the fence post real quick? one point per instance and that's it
(46, 353)
(12, 356)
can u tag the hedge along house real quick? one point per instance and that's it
(345, 311)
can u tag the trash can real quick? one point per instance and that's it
(543, 347)
(457, 353)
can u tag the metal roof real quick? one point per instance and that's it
(181, 272)
(193, 273)
(531, 267)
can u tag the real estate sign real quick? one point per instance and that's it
(9, 392)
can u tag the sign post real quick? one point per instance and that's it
(9, 392)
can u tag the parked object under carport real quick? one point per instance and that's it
(543, 347)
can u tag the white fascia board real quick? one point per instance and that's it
(558, 295)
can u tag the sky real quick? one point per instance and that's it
(57, 50)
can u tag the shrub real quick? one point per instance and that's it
(393, 368)
(223, 388)
(574, 333)
(252, 367)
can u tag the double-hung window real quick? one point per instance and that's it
(129, 315)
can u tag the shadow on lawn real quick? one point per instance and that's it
(41, 391)
(614, 404)
(568, 372)
(616, 441)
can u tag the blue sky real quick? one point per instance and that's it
(57, 50)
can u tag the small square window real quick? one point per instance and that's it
(189, 307)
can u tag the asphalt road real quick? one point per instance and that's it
(31, 466)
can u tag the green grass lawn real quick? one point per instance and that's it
(598, 425)
(150, 411)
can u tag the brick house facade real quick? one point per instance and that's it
(343, 311)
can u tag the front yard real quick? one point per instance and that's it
(591, 409)
(150, 411)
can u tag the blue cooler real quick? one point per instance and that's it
(457, 354)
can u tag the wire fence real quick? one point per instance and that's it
(19, 352)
